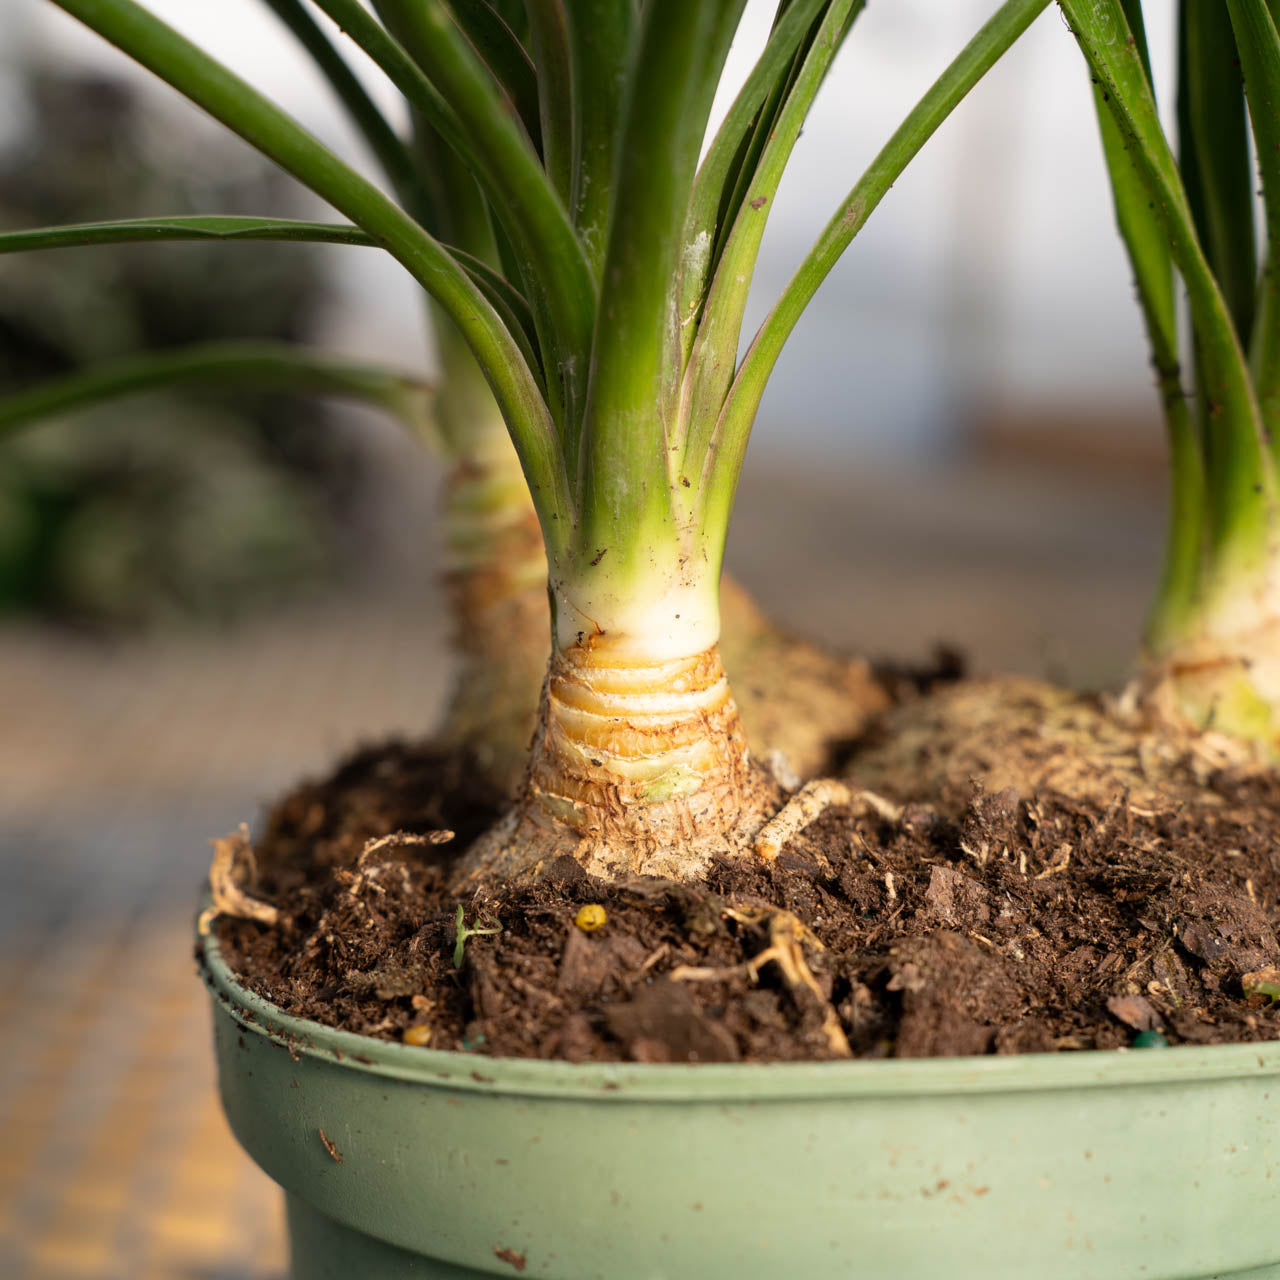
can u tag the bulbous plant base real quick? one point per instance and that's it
(637, 769)
(1215, 695)
(494, 705)
(1218, 673)
(496, 583)
(1036, 738)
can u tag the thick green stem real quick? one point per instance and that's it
(1144, 236)
(624, 468)
(1214, 159)
(600, 34)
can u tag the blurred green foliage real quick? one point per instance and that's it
(194, 504)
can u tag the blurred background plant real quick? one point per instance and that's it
(195, 503)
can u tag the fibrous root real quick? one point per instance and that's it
(787, 938)
(233, 868)
(808, 804)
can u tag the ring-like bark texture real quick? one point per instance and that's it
(636, 769)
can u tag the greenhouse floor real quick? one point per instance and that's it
(121, 758)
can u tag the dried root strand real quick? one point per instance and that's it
(233, 868)
(395, 840)
(398, 838)
(787, 938)
(808, 804)
(1060, 862)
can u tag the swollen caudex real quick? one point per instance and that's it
(635, 733)
(1222, 672)
(637, 768)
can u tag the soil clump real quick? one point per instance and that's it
(992, 921)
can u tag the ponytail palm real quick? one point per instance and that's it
(1212, 649)
(599, 288)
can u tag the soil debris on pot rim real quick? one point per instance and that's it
(1024, 924)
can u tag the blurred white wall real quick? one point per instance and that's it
(990, 273)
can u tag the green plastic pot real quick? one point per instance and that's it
(1159, 1164)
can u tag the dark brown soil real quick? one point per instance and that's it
(1028, 924)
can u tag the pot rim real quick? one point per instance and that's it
(726, 1081)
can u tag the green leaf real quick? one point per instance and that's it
(978, 56)
(198, 227)
(355, 21)
(1147, 243)
(462, 931)
(499, 48)
(264, 126)
(1215, 153)
(1259, 46)
(600, 35)
(274, 365)
(391, 150)
(1138, 29)
(508, 302)
(718, 174)
(623, 466)
(461, 213)
(549, 34)
(715, 350)
(1239, 476)
(557, 279)
(502, 295)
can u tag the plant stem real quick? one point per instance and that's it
(1238, 470)
(1212, 645)
(622, 463)
(495, 580)
(600, 33)
(1215, 158)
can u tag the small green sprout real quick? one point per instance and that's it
(1264, 982)
(465, 931)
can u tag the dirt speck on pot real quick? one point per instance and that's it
(330, 1146)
